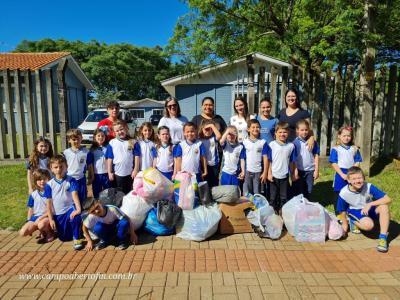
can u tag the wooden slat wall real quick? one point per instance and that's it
(19, 105)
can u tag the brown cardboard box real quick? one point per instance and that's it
(234, 219)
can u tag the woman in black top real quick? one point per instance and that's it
(207, 107)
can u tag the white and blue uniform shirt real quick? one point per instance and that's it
(280, 156)
(305, 158)
(232, 153)
(37, 201)
(43, 164)
(190, 154)
(77, 162)
(164, 158)
(254, 152)
(211, 146)
(345, 156)
(357, 200)
(241, 126)
(60, 191)
(121, 152)
(98, 158)
(143, 149)
(113, 214)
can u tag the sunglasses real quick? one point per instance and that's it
(172, 105)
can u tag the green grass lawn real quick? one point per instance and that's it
(14, 190)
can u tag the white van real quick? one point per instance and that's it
(95, 116)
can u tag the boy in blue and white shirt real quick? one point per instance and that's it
(281, 161)
(234, 155)
(256, 151)
(78, 159)
(364, 203)
(307, 161)
(63, 205)
(190, 154)
(209, 135)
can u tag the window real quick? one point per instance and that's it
(137, 113)
(158, 111)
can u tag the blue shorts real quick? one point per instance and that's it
(100, 183)
(356, 214)
(82, 189)
(33, 218)
(68, 229)
(167, 174)
(228, 179)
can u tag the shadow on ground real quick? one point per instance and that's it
(323, 193)
(394, 231)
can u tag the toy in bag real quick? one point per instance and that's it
(333, 228)
(168, 213)
(185, 185)
(152, 186)
(136, 209)
(309, 224)
(152, 226)
(200, 223)
(289, 210)
(111, 196)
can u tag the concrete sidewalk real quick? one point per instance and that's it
(240, 266)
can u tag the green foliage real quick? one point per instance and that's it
(119, 70)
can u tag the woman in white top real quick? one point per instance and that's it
(173, 120)
(239, 120)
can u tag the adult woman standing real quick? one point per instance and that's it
(207, 107)
(173, 119)
(239, 120)
(294, 113)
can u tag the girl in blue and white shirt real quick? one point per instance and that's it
(143, 148)
(163, 153)
(209, 135)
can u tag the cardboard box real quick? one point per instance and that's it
(234, 219)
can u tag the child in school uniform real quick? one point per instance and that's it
(39, 159)
(307, 161)
(255, 162)
(37, 211)
(281, 158)
(364, 203)
(163, 154)
(63, 205)
(119, 155)
(143, 148)
(108, 223)
(77, 161)
(190, 154)
(343, 156)
(98, 175)
(209, 135)
(234, 155)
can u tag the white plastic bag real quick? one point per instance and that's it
(273, 226)
(186, 189)
(310, 225)
(289, 210)
(200, 223)
(333, 228)
(267, 223)
(259, 216)
(136, 209)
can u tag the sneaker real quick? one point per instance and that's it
(382, 245)
(353, 227)
(41, 240)
(78, 245)
(100, 245)
(122, 246)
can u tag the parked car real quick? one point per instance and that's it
(94, 117)
(155, 119)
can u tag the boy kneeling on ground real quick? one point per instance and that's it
(109, 224)
(364, 203)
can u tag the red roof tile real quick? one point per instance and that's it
(28, 61)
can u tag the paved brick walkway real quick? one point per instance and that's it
(239, 266)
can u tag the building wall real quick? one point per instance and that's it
(148, 111)
(191, 95)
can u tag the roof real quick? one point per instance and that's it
(146, 102)
(259, 58)
(40, 61)
(28, 61)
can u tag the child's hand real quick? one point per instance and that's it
(52, 225)
(89, 245)
(270, 178)
(264, 177)
(294, 177)
(134, 238)
(111, 176)
(241, 175)
(134, 173)
(366, 209)
(73, 214)
(316, 174)
(203, 175)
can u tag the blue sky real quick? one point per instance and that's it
(138, 22)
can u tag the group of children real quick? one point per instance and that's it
(55, 202)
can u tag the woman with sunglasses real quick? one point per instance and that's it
(173, 119)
